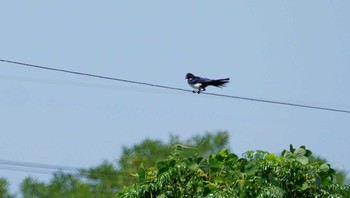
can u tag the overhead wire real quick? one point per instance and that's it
(174, 88)
(94, 75)
(36, 165)
(29, 167)
(57, 170)
(279, 103)
(26, 170)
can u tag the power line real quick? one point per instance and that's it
(29, 167)
(88, 173)
(277, 102)
(26, 170)
(174, 88)
(36, 165)
(94, 75)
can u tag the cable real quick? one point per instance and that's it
(35, 165)
(29, 167)
(175, 88)
(277, 102)
(86, 176)
(93, 75)
(25, 170)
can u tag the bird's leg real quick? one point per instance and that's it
(200, 90)
(193, 91)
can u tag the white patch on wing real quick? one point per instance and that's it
(196, 86)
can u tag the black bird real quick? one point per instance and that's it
(200, 83)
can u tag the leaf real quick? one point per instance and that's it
(288, 155)
(142, 174)
(291, 149)
(299, 152)
(194, 167)
(305, 186)
(302, 159)
(273, 180)
(214, 163)
(324, 167)
(224, 152)
(270, 157)
(232, 157)
(162, 166)
(251, 169)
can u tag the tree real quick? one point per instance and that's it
(224, 174)
(107, 179)
(31, 188)
(61, 185)
(205, 164)
(103, 181)
(4, 191)
(339, 176)
(149, 152)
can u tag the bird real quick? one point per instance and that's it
(200, 83)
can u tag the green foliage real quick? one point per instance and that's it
(106, 179)
(4, 193)
(202, 168)
(340, 175)
(148, 152)
(224, 174)
(62, 185)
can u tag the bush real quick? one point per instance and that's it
(224, 174)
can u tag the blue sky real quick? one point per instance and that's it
(291, 51)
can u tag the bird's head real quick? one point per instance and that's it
(189, 76)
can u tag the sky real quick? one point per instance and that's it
(288, 51)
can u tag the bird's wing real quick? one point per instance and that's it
(200, 80)
(216, 83)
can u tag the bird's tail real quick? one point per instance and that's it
(219, 82)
